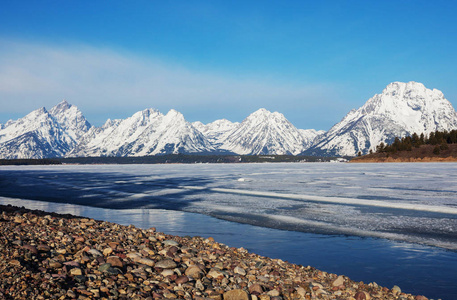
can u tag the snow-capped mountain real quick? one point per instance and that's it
(147, 132)
(41, 134)
(216, 132)
(264, 132)
(70, 119)
(93, 136)
(400, 110)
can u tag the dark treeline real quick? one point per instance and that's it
(440, 139)
(169, 159)
(192, 159)
(43, 161)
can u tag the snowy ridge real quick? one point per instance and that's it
(310, 135)
(147, 132)
(400, 110)
(42, 134)
(264, 132)
(216, 131)
(70, 119)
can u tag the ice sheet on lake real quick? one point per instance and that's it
(408, 202)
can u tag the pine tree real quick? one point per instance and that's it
(422, 139)
(380, 148)
(415, 140)
(436, 150)
(452, 137)
(444, 146)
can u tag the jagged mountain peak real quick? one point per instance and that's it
(400, 110)
(147, 132)
(44, 133)
(62, 106)
(398, 85)
(265, 113)
(264, 118)
(410, 103)
(409, 89)
(111, 123)
(37, 112)
(400, 97)
(261, 111)
(264, 132)
(71, 119)
(142, 118)
(31, 122)
(37, 135)
(173, 112)
(175, 115)
(146, 113)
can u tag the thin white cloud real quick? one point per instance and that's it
(104, 81)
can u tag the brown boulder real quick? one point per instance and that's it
(115, 261)
(194, 272)
(236, 295)
(256, 289)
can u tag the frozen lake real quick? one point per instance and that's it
(334, 213)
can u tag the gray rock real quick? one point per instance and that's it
(104, 267)
(80, 278)
(146, 261)
(166, 264)
(113, 271)
(170, 243)
(94, 252)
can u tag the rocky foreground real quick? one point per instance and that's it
(50, 256)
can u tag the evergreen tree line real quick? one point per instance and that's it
(441, 140)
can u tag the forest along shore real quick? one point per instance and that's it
(51, 256)
(401, 159)
(423, 153)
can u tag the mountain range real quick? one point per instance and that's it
(401, 109)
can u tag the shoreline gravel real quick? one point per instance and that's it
(52, 256)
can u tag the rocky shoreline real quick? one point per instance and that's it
(51, 256)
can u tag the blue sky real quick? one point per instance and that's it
(313, 61)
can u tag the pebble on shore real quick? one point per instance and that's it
(50, 256)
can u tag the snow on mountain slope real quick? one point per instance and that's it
(93, 136)
(37, 135)
(43, 134)
(175, 135)
(111, 139)
(309, 135)
(70, 119)
(147, 132)
(216, 131)
(30, 145)
(264, 132)
(400, 110)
